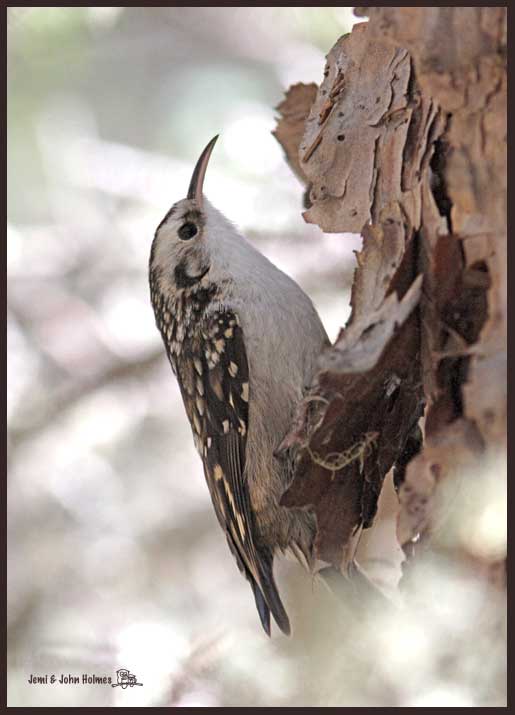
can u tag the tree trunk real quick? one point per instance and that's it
(405, 142)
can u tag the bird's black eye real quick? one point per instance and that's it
(187, 231)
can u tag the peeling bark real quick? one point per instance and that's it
(405, 142)
(293, 110)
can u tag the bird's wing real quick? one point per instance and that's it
(216, 376)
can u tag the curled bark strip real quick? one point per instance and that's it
(371, 399)
(293, 111)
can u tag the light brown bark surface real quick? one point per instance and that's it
(405, 142)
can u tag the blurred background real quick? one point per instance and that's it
(115, 558)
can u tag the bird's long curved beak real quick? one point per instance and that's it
(199, 172)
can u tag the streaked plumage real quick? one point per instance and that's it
(242, 339)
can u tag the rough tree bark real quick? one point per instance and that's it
(405, 142)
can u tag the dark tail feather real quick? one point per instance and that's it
(269, 593)
(263, 610)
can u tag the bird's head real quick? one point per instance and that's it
(181, 254)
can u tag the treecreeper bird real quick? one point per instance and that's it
(243, 340)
